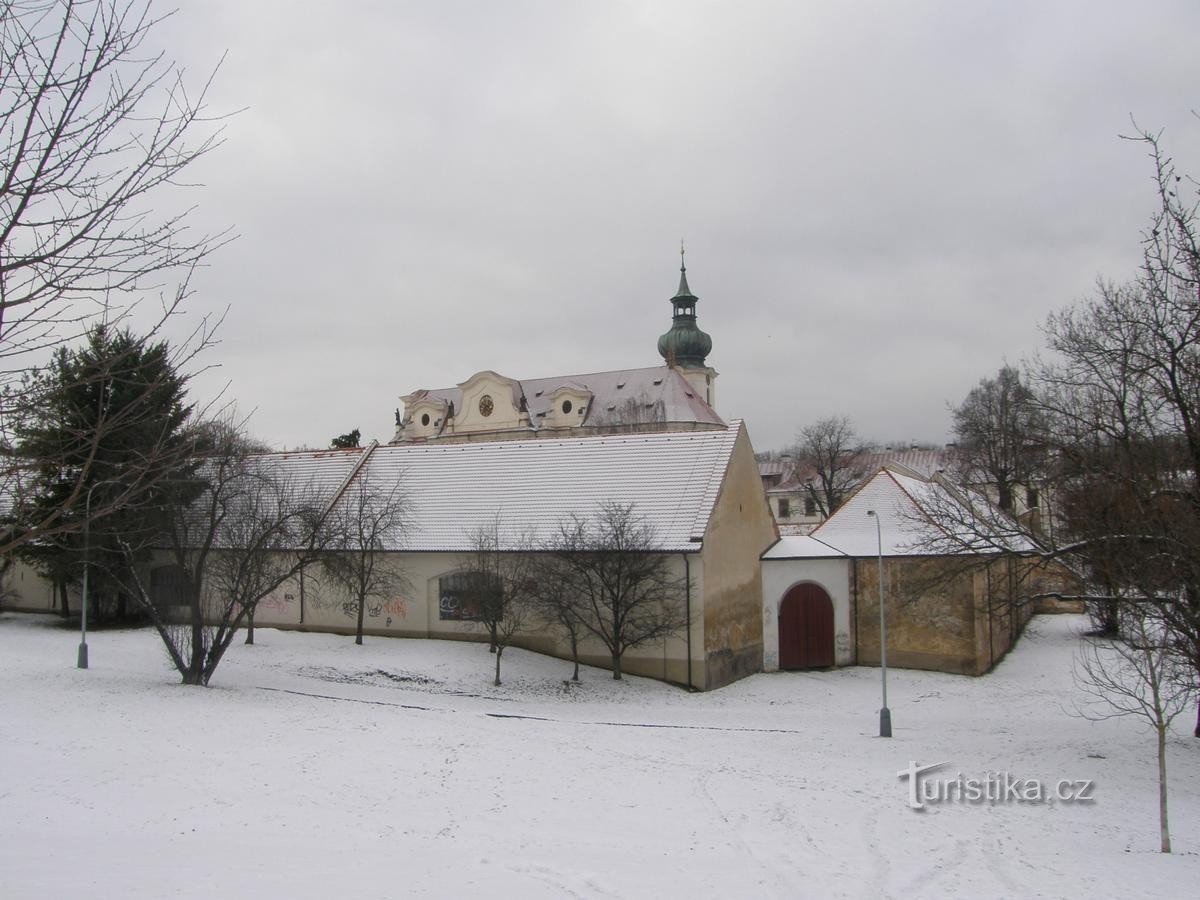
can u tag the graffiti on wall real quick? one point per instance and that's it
(392, 608)
(277, 601)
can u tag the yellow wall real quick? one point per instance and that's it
(739, 531)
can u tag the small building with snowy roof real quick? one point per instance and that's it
(955, 576)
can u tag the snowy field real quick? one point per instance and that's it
(313, 768)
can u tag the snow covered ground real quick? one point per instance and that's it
(316, 768)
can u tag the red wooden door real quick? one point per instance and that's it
(806, 628)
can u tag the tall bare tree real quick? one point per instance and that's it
(248, 530)
(366, 524)
(628, 594)
(826, 455)
(1000, 429)
(97, 132)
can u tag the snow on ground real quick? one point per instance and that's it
(315, 768)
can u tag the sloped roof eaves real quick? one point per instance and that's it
(802, 547)
(672, 478)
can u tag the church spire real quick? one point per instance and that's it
(684, 290)
(685, 344)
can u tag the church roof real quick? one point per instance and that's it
(657, 393)
(672, 479)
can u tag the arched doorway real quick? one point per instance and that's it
(806, 628)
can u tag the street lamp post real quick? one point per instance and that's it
(81, 661)
(885, 715)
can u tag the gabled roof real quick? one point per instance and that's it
(918, 517)
(672, 478)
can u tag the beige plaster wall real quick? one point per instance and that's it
(26, 590)
(942, 614)
(414, 610)
(740, 530)
(935, 630)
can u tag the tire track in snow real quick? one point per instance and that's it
(530, 718)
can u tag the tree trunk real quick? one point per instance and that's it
(250, 627)
(616, 663)
(362, 604)
(1163, 827)
(66, 608)
(1196, 733)
(499, 653)
(195, 670)
(575, 659)
(1004, 497)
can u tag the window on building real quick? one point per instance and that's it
(785, 508)
(459, 596)
(810, 506)
(1031, 498)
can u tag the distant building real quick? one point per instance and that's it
(792, 486)
(678, 396)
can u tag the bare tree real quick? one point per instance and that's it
(95, 129)
(247, 531)
(826, 457)
(1123, 398)
(1138, 675)
(629, 595)
(366, 524)
(557, 605)
(1000, 429)
(502, 587)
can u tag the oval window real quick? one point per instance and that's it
(425, 419)
(566, 407)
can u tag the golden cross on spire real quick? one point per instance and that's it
(682, 264)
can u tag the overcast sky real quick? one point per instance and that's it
(881, 201)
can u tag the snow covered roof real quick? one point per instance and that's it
(923, 463)
(799, 546)
(672, 479)
(655, 394)
(917, 517)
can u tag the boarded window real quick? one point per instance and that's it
(460, 596)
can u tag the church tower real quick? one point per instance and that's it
(685, 346)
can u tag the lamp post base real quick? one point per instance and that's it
(82, 662)
(885, 722)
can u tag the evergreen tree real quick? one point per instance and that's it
(106, 440)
